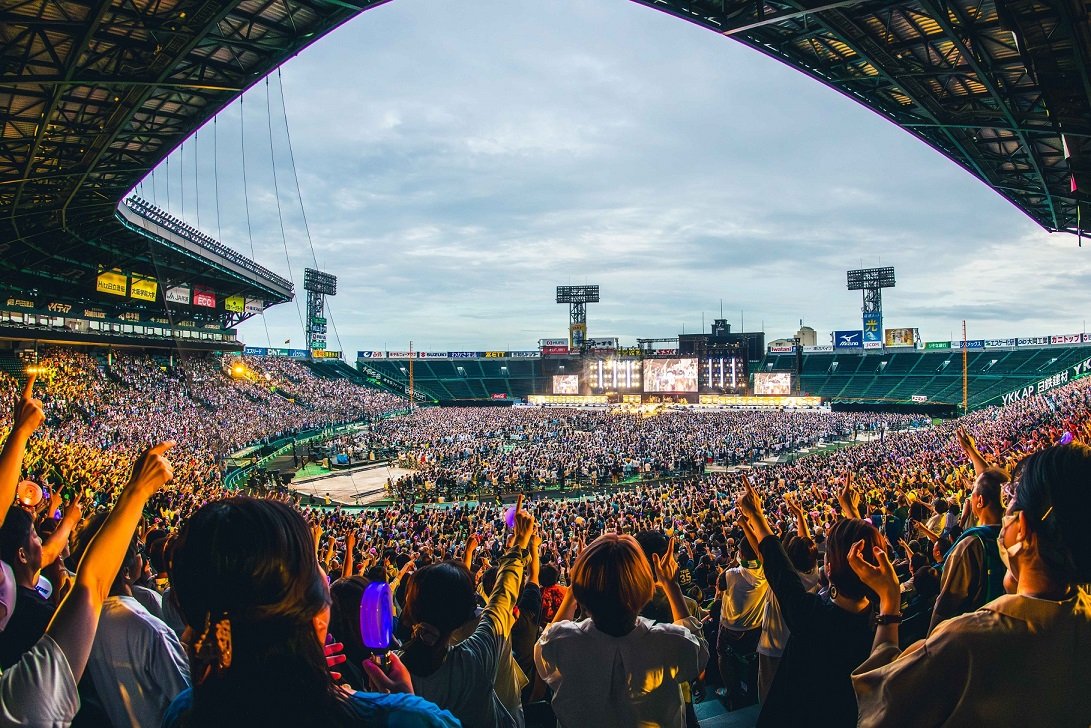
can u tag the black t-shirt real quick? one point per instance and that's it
(28, 622)
(826, 645)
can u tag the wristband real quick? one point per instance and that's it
(881, 619)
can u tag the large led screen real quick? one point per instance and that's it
(670, 375)
(773, 383)
(566, 384)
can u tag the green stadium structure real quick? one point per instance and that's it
(921, 380)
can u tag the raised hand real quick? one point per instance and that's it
(524, 525)
(28, 410)
(880, 577)
(666, 566)
(152, 470)
(749, 504)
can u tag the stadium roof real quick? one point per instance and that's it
(95, 93)
(1002, 87)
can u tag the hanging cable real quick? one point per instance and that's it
(216, 173)
(182, 179)
(299, 196)
(276, 193)
(246, 202)
(196, 174)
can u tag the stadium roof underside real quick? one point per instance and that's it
(95, 93)
(1001, 87)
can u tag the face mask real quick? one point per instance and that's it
(1007, 552)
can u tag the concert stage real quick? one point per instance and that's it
(357, 487)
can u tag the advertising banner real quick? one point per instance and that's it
(254, 351)
(298, 353)
(1087, 338)
(495, 354)
(552, 342)
(665, 352)
(971, 344)
(115, 283)
(235, 304)
(554, 350)
(873, 328)
(204, 297)
(398, 355)
(498, 395)
(1000, 343)
(370, 355)
(776, 383)
(1033, 341)
(178, 294)
(899, 338)
(464, 354)
(1066, 339)
(781, 349)
(321, 354)
(817, 349)
(524, 354)
(848, 339)
(431, 355)
(253, 306)
(937, 345)
(577, 334)
(873, 344)
(608, 343)
(58, 307)
(144, 289)
(20, 303)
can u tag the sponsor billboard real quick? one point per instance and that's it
(298, 353)
(178, 294)
(1033, 341)
(370, 355)
(817, 349)
(577, 334)
(899, 338)
(873, 345)
(1087, 338)
(566, 384)
(495, 354)
(552, 342)
(1066, 339)
(848, 339)
(464, 354)
(144, 289)
(971, 344)
(937, 345)
(115, 283)
(873, 327)
(235, 304)
(254, 351)
(20, 303)
(204, 297)
(1000, 343)
(498, 395)
(431, 355)
(398, 355)
(919, 398)
(524, 354)
(609, 343)
(324, 354)
(781, 349)
(253, 306)
(777, 383)
(550, 350)
(670, 375)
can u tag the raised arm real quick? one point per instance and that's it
(76, 620)
(802, 529)
(53, 547)
(966, 442)
(28, 417)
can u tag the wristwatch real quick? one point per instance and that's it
(881, 619)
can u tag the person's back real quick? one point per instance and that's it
(137, 664)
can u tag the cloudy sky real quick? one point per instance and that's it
(457, 161)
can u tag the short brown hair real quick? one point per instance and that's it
(612, 580)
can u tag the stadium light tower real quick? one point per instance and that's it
(577, 298)
(318, 285)
(872, 281)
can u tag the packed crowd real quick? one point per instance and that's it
(893, 582)
(101, 411)
(457, 452)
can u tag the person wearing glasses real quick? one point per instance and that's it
(1023, 658)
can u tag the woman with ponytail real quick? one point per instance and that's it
(438, 600)
(256, 606)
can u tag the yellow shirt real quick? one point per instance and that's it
(1016, 661)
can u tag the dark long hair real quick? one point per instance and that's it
(1055, 493)
(442, 596)
(252, 562)
(841, 537)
